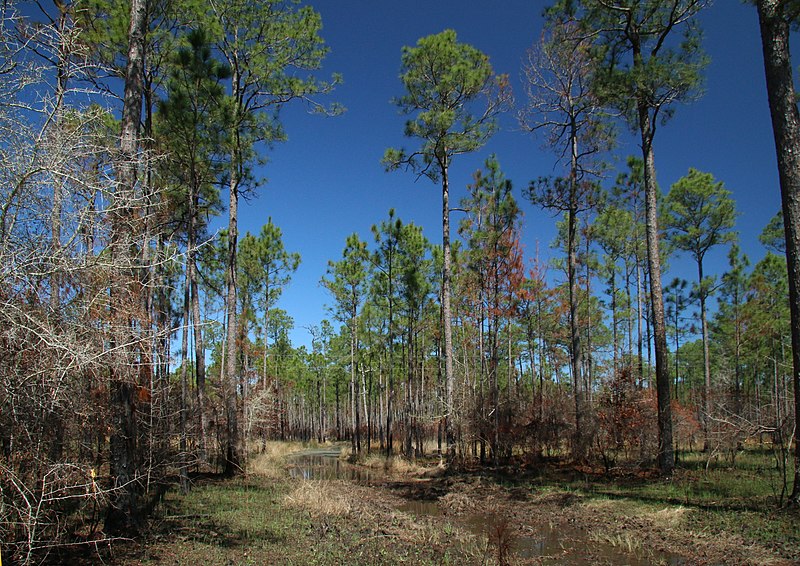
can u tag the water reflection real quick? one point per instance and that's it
(421, 508)
(550, 544)
(325, 465)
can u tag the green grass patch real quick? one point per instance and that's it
(778, 529)
(715, 497)
(753, 483)
(239, 521)
(253, 521)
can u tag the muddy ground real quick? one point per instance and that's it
(289, 512)
(515, 519)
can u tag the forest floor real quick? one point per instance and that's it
(401, 513)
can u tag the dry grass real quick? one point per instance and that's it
(324, 500)
(270, 461)
(394, 465)
(264, 466)
(319, 498)
(627, 542)
(400, 465)
(375, 462)
(279, 450)
(669, 517)
(347, 451)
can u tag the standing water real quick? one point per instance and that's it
(324, 464)
(551, 544)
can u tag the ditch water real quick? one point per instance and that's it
(324, 465)
(555, 544)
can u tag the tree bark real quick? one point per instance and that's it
(706, 361)
(123, 513)
(666, 459)
(194, 297)
(639, 321)
(390, 390)
(61, 89)
(266, 331)
(575, 336)
(355, 423)
(233, 455)
(447, 321)
(614, 339)
(781, 94)
(183, 409)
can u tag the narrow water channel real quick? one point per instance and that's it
(555, 544)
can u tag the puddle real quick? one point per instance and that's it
(421, 508)
(324, 465)
(563, 544)
(549, 545)
(568, 545)
(553, 545)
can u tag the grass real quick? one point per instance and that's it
(752, 484)
(393, 464)
(625, 541)
(271, 458)
(319, 498)
(227, 521)
(268, 518)
(778, 529)
(711, 499)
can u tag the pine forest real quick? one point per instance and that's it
(642, 365)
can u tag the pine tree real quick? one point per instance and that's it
(641, 74)
(775, 18)
(700, 214)
(264, 44)
(444, 82)
(346, 280)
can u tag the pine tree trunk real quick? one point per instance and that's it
(354, 416)
(786, 129)
(365, 405)
(629, 321)
(390, 390)
(54, 421)
(409, 400)
(233, 455)
(666, 460)
(614, 339)
(123, 512)
(266, 333)
(183, 409)
(447, 316)
(199, 349)
(383, 419)
(589, 373)
(639, 321)
(338, 411)
(706, 364)
(575, 337)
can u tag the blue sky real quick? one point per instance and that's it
(326, 181)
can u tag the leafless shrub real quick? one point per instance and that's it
(73, 312)
(501, 536)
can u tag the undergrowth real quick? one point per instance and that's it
(269, 518)
(710, 498)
